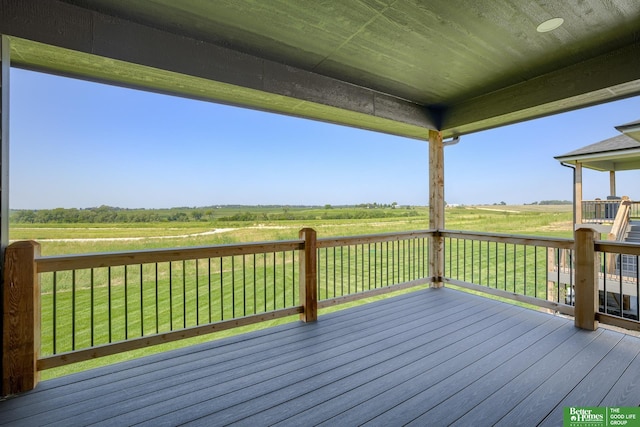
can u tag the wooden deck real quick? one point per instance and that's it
(432, 357)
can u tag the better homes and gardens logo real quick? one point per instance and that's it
(601, 417)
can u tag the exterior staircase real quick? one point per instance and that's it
(633, 234)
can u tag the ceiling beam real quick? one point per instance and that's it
(608, 77)
(148, 58)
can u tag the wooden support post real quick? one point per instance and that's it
(436, 207)
(5, 64)
(577, 193)
(4, 164)
(612, 183)
(586, 283)
(308, 276)
(21, 323)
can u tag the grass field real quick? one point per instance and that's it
(57, 239)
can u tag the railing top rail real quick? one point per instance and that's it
(97, 260)
(621, 221)
(551, 242)
(617, 247)
(329, 242)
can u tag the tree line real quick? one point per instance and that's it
(109, 214)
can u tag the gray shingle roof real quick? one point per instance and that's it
(629, 125)
(617, 143)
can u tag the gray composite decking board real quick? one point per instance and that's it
(464, 399)
(144, 393)
(440, 368)
(406, 404)
(146, 382)
(544, 399)
(598, 382)
(348, 374)
(626, 391)
(434, 351)
(500, 402)
(299, 370)
(178, 366)
(326, 402)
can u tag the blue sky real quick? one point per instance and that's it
(81, 144)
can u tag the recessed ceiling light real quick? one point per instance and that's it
(550, 25)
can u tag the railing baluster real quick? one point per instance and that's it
(375, 263)
(233, 288)
(92, 310)
(497, 262)
(170, 296)
(293, 277)
(284, 279)
(356, 266)
(141, 302)
(326, 273)
(221, 290)
(73, 309)
(244, 286)
(55, 314)
(255, 295)
(157, 300)
(209, 291)
(197, 261)
(488, 263)
(264, 280)
(109, 300)
(620, 274)
(334, 268)
(515, 268)
(126, 306)
(369, 266)
(184, 293)
(387, 262)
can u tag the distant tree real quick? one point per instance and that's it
(328, 206)
(178, 216)
(555, 202)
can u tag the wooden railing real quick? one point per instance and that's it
(99, 304)
(621, 221)
(634, 210)
(94, 305)
(514, 267)
(350, 268)
(605, 211)
(618, 283)
(599, 211)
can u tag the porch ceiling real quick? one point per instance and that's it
(396, 66)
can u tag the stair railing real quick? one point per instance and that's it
(619, 230)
